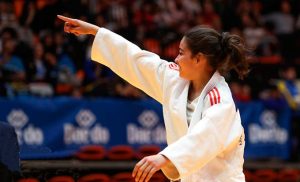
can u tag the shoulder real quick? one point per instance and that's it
(213, 96)
(173, 67)
(172, 71)
(218, 94)
(174, 85)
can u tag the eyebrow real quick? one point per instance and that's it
(180, 49)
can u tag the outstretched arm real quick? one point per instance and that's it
(142, 69)
(78, 27)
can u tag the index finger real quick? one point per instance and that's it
(137, 166)
(66, 19)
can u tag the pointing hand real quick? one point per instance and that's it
(78, 27)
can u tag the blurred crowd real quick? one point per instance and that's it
(38, 58)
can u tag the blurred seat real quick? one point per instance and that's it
(248, 176)
(28, 180)
(147, 150)
(264, 175)
(96, 177)
(63, 88)
(289, 175)
(91, 152)
(61, 179)
(123, 177)
(121, 152)
(270, 59)
(127, 177)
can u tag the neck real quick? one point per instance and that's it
(197, 85)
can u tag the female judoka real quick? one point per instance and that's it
(204, 132)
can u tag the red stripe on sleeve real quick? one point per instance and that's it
(210, 99)
(218, 94)
(215, 96)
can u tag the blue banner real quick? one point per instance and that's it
(58, 127)
(52, 128)
(267, 131)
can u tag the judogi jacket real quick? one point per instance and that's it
(211, 148)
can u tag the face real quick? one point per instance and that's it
(187, 63)
(290, 74)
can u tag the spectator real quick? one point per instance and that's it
(253, 32)
(12, 68)
(99, 80)
(284, 28)
(289, 86)
(209, 16)
(38, 74)
(269, 43)
(39, 67)
(272, 98)
(283, 19)
(52, 68)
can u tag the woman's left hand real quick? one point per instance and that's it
(146, 167)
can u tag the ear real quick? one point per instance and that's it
(199, 56)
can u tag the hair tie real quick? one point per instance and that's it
(223, 44)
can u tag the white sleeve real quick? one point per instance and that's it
(208, 138)
(143, 69)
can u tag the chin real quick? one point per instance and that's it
(183, 76)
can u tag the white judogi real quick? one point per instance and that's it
(212, 147)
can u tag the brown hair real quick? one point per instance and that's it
(224, 51)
